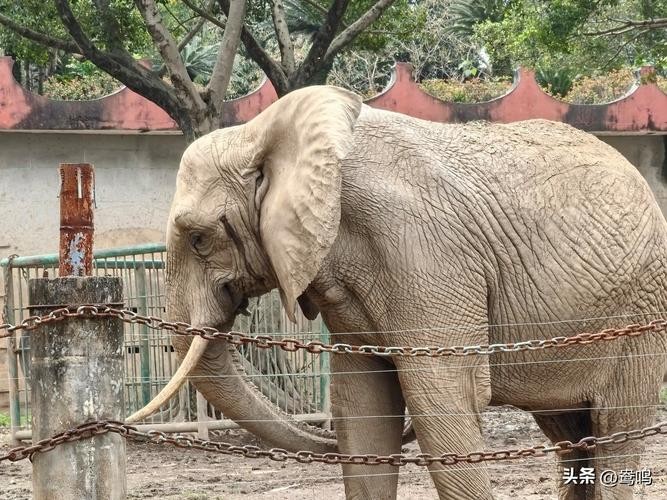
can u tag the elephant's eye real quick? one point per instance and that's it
(198, 243)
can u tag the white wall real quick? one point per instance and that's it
(135, 179)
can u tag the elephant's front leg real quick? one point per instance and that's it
(368, 417)
(445, 396)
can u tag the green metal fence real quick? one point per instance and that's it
(296, 382)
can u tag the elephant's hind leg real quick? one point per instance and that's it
(583, 469)
(614, 415)
(368, 417)
(571, 426)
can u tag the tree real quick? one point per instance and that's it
(110, 33)
(433, 45)
(582, 36)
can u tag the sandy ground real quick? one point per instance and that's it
(169, 474)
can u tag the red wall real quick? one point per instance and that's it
(644, 110)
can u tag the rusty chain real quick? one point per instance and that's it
(131, 433)
(316, 346)
(277, 454)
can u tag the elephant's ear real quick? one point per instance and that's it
(302, 139)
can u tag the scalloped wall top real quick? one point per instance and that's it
(642, 111)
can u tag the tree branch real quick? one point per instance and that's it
(191, 34)
(229, 45)
(174, 16)
(630, 25)
(282, 34)
(322, 10)
(205, 13)
(323, 39)
(623, 46)
(198, 25)
(316, 6)
(40, 38)
(270, 67)
(125, 70)
(350, 33)
(168, 49)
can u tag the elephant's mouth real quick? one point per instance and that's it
(239, 302)
(243, 307)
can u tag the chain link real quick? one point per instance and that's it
(131, 433)
(317, 347)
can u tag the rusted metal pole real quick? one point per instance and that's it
(77, 364)
(76, 219)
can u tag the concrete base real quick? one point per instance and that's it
(77, 376)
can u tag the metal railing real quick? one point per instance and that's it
(294, 381)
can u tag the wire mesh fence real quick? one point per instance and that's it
(295, 381)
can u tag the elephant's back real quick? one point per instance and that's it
(575, 230)
(533, 152)
(540, 171)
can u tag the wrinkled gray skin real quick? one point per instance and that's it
(427, 234)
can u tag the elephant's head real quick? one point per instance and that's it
(256, 207)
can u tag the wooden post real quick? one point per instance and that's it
(77, 376)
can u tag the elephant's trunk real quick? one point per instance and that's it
(220, 378)
(214, 369)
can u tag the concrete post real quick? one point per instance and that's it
(77, 376)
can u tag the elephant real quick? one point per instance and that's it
(404, 232)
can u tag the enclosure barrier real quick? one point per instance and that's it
(131, 433)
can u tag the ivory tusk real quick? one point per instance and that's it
(191, 359)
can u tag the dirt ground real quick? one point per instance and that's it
(169, 474)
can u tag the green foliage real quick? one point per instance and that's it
(474, 90)
(199, 59)
(42, 17)
(556, 81)
(305, 17)
(74, 80)
(37, 15)
(551, 35)
(4, 420)
(435, 50)
(599, 89)
(79, 81)
(246, 78)
(466, 14)
(595, 89)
